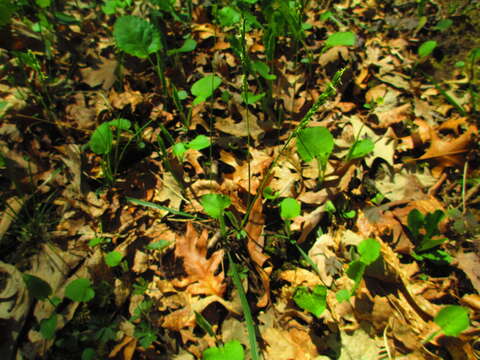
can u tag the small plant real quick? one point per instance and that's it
(202, 89)
(347, 38)
(452, 320)
(315, 143)
(214, 205)
(425, 232)
(368, 253)
(106, 143)
(313, 300)
(200, 142)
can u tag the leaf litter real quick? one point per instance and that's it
(172, 267)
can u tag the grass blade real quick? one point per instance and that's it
(252, 338)
(160, 207)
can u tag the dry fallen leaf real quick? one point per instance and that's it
(201, 278)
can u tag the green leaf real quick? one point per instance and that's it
(80, 290)
(289, 209)
(269, 194)
(158, 245)
(343, 295)
(314, 142)
(43, 3)
(232, 350)
(37, 287)
(263, 69)
(200, 142)
(188, 45)
(355, 271)
(97, 241)
(179, 150)
(251, 98)
(145, 335)
(205, 87)
(432, 220)
(369, 250)
(427, 48)
(443, 24)
(347, 38)
(453, 319)
(415, 221)
(48, 327)
(89, 354)
(136, 36)
(228, 16)
(101, 140)
(113, 258)
(120, 123)
(360, 149)
(215, 204)
(66, 19)
(313, 301)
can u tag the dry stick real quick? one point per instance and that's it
(322, 99)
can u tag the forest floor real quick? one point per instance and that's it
(240, 180)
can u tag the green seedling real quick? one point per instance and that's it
(368, 253)
(251, 98)
(80, 290)
(374, 103)
(425, 233)
(214, 205)
(41, 290)
(204, 88)
(313, 300)
(452, 320)
(199, 143)
(145, 334)
(158, 245)
(137, 37)
(269, 194)
(188, 46)
(315, 143)
(232, 350)
(113, 258)
(426, 48)
(106, 142)
(99, 241)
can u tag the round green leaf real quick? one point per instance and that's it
(426, 48)
(232, 350)
(113, 258)
(289, 209)
(48, 327)
(37, 287)
(205, 87)
(347, 38)
(80, 290)
(89, 354)
(101, 140)
(314, 142)
(136, 36)
(453, 320)
(369, 250)
(215, 204)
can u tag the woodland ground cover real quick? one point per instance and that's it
(240, 180)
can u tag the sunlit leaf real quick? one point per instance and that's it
(136, 36)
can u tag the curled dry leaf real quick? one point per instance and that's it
(201, 278)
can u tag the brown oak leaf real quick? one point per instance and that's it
(201, 271)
